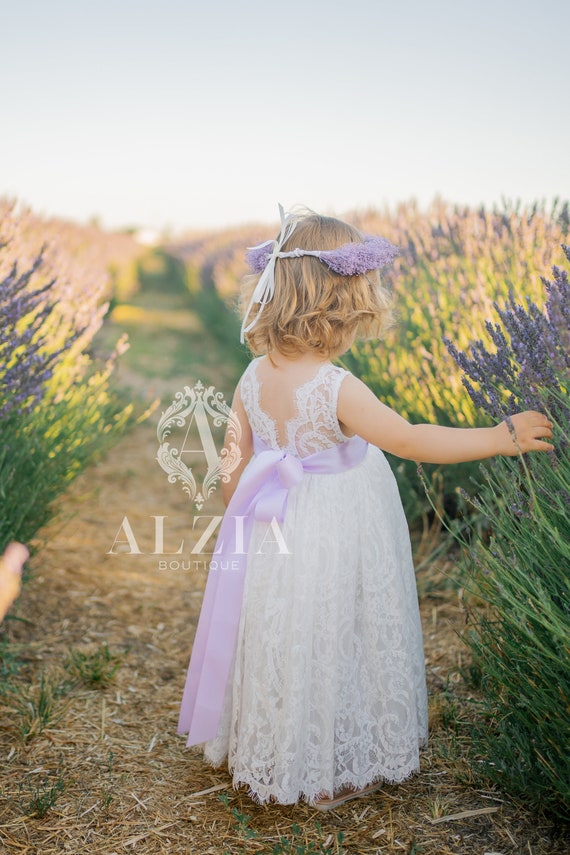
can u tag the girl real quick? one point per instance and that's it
(307, 672)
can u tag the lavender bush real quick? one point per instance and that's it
(520, 619)
(57, 407)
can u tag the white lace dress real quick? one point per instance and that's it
(328, 687)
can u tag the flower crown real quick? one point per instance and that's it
(350, 259)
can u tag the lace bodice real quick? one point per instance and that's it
(315, 425)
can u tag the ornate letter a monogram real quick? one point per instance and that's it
(198, 404)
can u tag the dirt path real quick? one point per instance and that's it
(107, 766)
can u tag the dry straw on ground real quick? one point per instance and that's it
(108, 758)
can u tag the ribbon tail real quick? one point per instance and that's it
(216, 635)
(271, 506)
(198, 653)
(263, 292)
(212, 657)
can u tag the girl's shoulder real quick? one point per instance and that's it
(250, 369)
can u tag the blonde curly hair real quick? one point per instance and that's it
(313, 308)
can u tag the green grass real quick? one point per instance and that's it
(10, 663)
(37, 799)
(36, 707)
(94, 668)
(297, 843)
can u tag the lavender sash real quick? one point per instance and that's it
(260, 495)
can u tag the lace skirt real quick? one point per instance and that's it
(328, 684)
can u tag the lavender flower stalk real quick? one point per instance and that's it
(26, 359)
(530, 366)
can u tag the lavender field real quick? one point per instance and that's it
(95, 649)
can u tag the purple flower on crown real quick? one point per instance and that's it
(351, 259)
(258, 257)
(355, 259)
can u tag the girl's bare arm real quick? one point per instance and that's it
(245, 447)
(360, 411)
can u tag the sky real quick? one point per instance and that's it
(176, 114)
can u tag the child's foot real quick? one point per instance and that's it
(345, 796)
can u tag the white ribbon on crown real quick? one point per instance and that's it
(265, 287)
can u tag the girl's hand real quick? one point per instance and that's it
(525, 433)
(11, 564)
